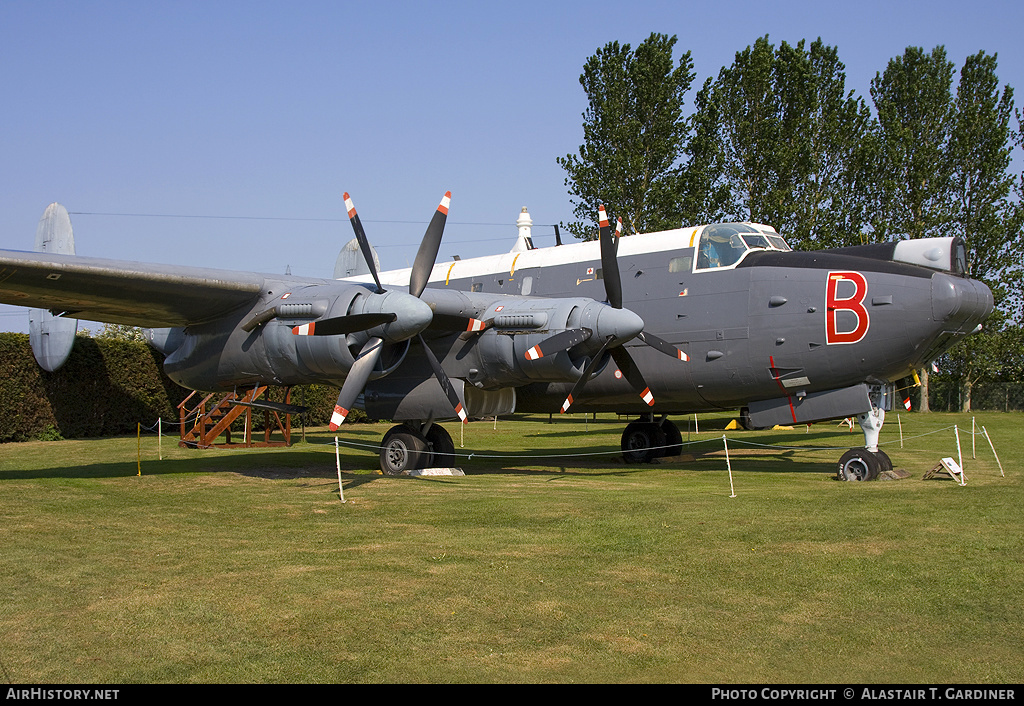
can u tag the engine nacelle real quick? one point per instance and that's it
(497, 358)
(259, 346)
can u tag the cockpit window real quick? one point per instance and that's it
(725, 244)
(757, 241)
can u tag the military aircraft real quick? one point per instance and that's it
(714, 317)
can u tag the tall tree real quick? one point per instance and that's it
(633, 131)
(913, 100)
(914, 105)
(748, 106)
(1014, 302)
(789, 143)
(706, 194)
(832, 208)
(978, 155)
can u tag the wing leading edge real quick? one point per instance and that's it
(114, 291)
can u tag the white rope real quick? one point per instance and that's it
(376, 447)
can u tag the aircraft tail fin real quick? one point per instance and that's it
(52, 336)
(351, 263)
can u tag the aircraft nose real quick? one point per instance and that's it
(960, 302)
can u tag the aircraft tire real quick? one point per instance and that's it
(673, 439)
(858, 464)
(884, 462)
(402, 450)
(442, 448)
(642, 442)
(745, 421)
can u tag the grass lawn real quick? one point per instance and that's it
(550, 561)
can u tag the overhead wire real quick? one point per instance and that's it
(297, 219)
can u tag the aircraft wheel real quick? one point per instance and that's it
(884, 462)
(858, 464)
(745, 421)
(402, 450)
(673, 439)
(642, 442)
(441, 445)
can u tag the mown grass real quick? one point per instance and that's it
(244, 566)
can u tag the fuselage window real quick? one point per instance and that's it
(680, 264)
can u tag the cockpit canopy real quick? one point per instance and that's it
(725, 244)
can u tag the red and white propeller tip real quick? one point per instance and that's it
(338, 417)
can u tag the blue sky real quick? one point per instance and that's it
(270, 110)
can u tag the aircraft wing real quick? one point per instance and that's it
(121, 292)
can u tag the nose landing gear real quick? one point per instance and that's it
(868, 462)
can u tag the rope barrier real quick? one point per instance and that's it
(375, 448)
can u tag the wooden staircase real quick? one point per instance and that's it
(211, 418)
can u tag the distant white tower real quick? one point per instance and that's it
(525, 240)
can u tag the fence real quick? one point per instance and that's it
(948, 396)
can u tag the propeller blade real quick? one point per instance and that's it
(475, 326)
(559, 342)
(431, 243)
(632, 374)
(356, 380)
(341, 325)
(446, 384)
(661, 345)
(585, 378)
(466, 325)
(609, 265)
(364, 244)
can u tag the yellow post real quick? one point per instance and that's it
(138, 436)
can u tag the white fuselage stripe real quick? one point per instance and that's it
(664, 241)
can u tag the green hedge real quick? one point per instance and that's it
(106, 388)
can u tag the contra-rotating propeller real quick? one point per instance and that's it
(622, 358)
(613, 285)
(366, 360)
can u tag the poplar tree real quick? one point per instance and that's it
(981, 185)
(633, 135)
(914, 105)
(778, 139)
(979, 156)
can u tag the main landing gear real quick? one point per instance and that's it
(868, 462)
(646, 439)
(412, 446)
